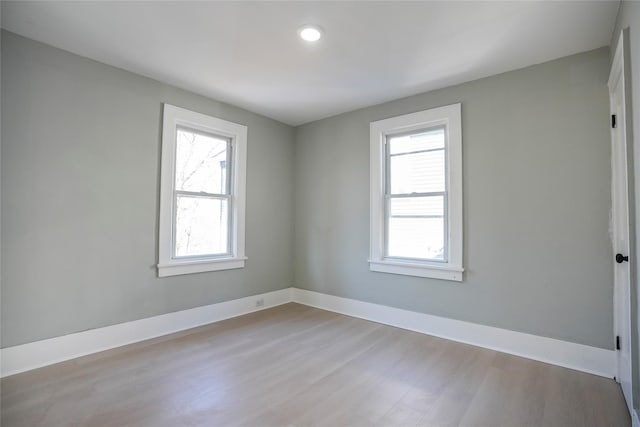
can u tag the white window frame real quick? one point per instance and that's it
(449, 117)
(174, 117)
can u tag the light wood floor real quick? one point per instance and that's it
(296, 365)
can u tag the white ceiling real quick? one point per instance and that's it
(248, 53)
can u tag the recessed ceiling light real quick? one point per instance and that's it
(310, 33)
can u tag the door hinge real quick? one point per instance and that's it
(613, 121)
(617, 342)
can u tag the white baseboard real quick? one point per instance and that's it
(580, 357)
(33, 355)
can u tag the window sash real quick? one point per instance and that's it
(228, 196)
(406, 153)
(202, 195)
(228, 159)
(388, 196)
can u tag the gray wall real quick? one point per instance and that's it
(80, 174)
(537, 253)
(80, 169)
(629, 17)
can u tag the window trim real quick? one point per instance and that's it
(450, 117)
(173, 118)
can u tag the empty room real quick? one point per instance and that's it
(336, 213)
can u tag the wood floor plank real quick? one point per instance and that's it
(295, 366)
(356, 383)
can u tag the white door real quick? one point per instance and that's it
(620, 223)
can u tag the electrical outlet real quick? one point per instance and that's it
(260, 302)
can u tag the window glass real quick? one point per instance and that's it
(419, 141)
(416, 238)
(202, 226)
(417, 162)
(201, 161)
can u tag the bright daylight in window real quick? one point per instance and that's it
(202, 193)
(416, 194)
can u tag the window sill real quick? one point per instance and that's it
(431, 270)
(200, 266)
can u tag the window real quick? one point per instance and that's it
(416, 194)
(202, 193)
